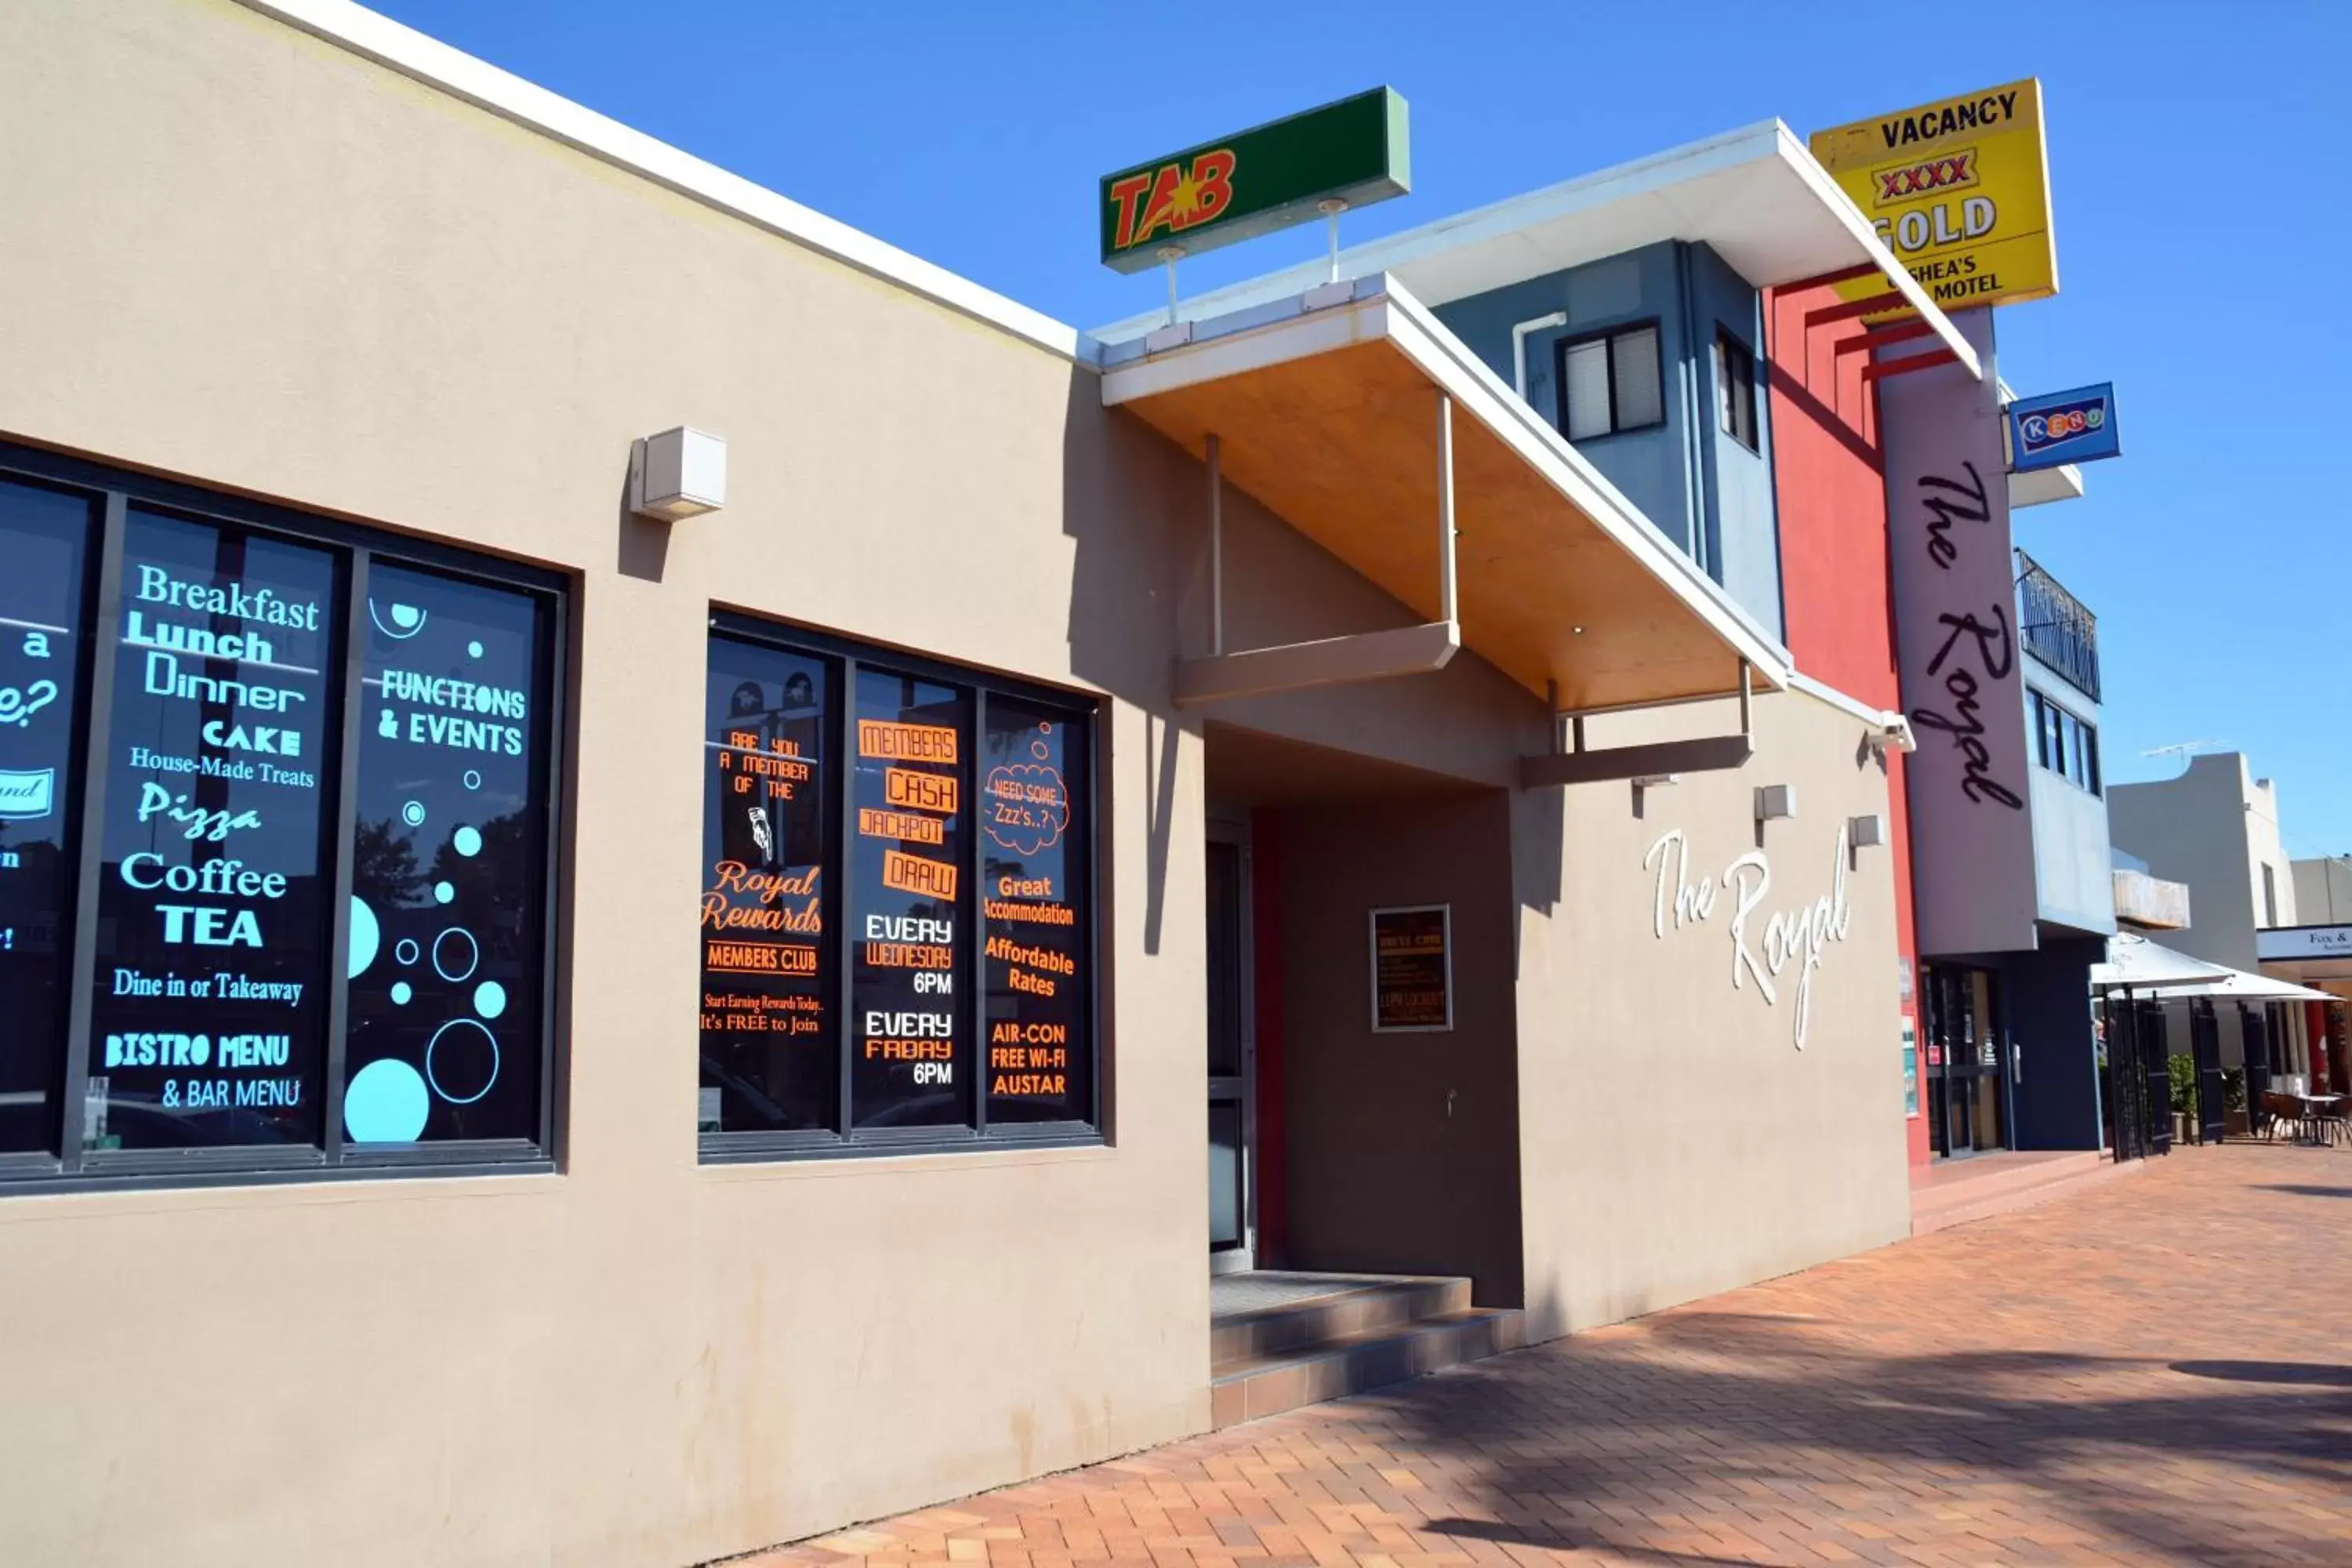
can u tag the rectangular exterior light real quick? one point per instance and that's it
(679, 473)
(1867, 831)
(1775, 801)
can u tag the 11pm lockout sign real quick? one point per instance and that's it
(1959, 190)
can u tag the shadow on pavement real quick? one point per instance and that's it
(2322, 1374)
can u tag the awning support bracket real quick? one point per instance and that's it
(1706, 754)
(1328, 661)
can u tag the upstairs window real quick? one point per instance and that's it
(2064, 745)
(1735, 389)
(1610, 383)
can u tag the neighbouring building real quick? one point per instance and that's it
(1369, 778)
(2215, 828)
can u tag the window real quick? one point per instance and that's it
(1735, 389)
(2065, 744)
(285, 824)
(1610, 383)
(2270, 895)
(897, 905)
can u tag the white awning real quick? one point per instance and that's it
(2237, 986)
(2144, 965)
(1756, 196)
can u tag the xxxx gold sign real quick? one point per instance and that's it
(1959, 190)
(1353, 152)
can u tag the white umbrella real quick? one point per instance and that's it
(2139, 964)
(2238, 985)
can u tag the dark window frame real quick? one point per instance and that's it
(1740, 380)
(114, 491)
(844, 657)
(1610, 335)
(2065, 743)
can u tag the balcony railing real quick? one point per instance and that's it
(2056, 627)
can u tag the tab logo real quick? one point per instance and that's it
(1173, 198)
(1953, 171)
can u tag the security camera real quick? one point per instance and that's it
(1893, 735)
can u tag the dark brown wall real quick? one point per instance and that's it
(1378, 1176)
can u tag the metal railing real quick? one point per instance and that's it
(2056, 627)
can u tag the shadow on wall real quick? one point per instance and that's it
(1739, 1407)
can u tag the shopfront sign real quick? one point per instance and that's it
(2058, 427)
(1763, 944)
(1959, 190)
(1353, 152)
(2290, 942)
(1413, 970)
(1956, 643)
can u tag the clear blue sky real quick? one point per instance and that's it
(2199, 168)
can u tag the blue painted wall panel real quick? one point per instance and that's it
(1698, 486)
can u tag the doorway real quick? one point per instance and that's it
(1232, 1057)
(1967, 1061)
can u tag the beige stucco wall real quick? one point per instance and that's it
(2215, 827)
(235, 253)
(1673, 1141)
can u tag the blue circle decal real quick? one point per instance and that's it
(443, 892)
(366, 937)
(464, 1051)
(489, 998)
(400, 992)
(384, 1103)
(466, 841)
(456, 954)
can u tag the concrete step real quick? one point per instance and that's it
(1354, 1309)
(1252, 1387)
(1945, 1195)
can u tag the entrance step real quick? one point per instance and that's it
(1281, 1341)
(1956, 1192)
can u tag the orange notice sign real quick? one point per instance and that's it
(906, 742)
(759, 958)
(906, 788)
(913, 874)
(900, 825)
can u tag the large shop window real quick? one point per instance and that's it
(276, 825)
(897, 906)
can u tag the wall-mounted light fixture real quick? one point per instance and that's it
(1895, 735)
(1868, 832)
(677, 474)
(1773, 801)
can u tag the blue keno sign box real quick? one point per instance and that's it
(2063, 427)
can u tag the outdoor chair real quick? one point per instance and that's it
(2281, 1110)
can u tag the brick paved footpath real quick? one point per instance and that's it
(2157, 1370)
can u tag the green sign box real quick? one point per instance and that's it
(1257, 181)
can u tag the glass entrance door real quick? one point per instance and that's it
(1967, 1061)
(1230, 1055)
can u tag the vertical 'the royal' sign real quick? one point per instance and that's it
(1957, 646)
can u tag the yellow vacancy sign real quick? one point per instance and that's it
(1960, 191)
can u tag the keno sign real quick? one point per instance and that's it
(1799, 935)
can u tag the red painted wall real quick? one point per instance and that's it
(1837, 599)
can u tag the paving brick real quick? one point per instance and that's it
(2142, 1372)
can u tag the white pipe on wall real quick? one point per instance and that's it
(1520, 347)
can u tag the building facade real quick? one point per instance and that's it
(1295, 790)
(2215, 828)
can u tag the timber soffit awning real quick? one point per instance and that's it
(1326, 410)
(1754, 197)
